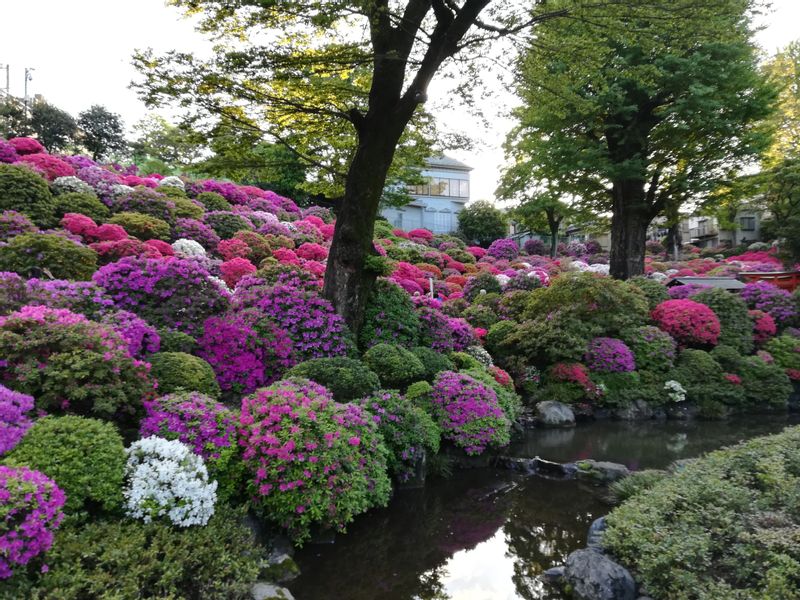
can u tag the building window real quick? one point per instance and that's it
(747, 223)
(440, 186)
(443, 222)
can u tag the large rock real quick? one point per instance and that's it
(263, 590)
(638, 410)
(280, 568)
(601, 472)
(594, 540)
(593, 576)
(554, 414)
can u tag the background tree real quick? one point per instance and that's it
(13, 120)
(102, 132)
(165, 148)
(543, 212)
(482, 222)
(56, 129)
(644, 106)
(784, 71)
(317, 68)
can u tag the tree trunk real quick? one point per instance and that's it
(629, 222)
(674, 241)
(555, 225)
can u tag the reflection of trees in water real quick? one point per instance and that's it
(399, 552)
(549, 520)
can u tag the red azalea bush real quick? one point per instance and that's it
(233, 248)
(312, 461)
(51, 167)
(110, 252)
(236, 268)
(310, 251)
(689, 322)
(26, 145)
(764, 327)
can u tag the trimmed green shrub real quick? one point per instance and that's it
(653, 349)
(396, 367)
(554, 338)
(383, 229)
(84, 204)
(464, 361)
(346, 378)
(389, 317)
(765, 385)
(481, 282)
(480, 316)
(178, 371)
(619, 390)
(419, 393)
(85, 457)
(723, 527)
(145, 201)
(705, 383)
(734, 319)
(728, 358)
(654, 291)
(143, 227)
(432, 362)
(130, 559)
(24, 191)
(785, 350)
(173, 192)
(176, 341)
(213, 201)
(31, 253)
(635, 483)
(226, 224)
(185, 208)
(497, 339)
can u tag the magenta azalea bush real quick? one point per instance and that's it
(142, 338)
(689, 322)
(30, 512)
(84, 297)
(246, 349)
(468, 413)
(175, 294)
(14, 418)
(609, 355)
(777, 303)
(505, 248)
(311, 461)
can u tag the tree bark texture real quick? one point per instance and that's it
(631, 217)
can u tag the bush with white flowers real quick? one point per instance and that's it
(64, 185)
(165, 478)
(172, 181)
(481, 355)
(675, 391)
(188, 247)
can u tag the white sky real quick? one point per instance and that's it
(81, 51)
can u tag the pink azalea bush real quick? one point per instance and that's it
(26, 145)
(764, 327)
(689, 322)
(310, 460)
(234, 269)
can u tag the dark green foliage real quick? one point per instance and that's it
(84, 204)
(622, 389)
(185, 208)
(432, 362)
(554, 338)
(497, 339)
(481, 222)
(654, 291)
(461, 256)
(389, 317)
(653, 349)
(482, 281)
(737, 326)
(464, 361)
(142, 226)
(635, 483)
(129, 559)
(103, 132)
(728, 358)
(172, 192)
(226, 224)
(765, 385)
(176, 341)
(24, 191)
(705, 383)
(85, 457)
(724, 526)
(213, 201)
(562, 391)
(606, 303)
(383, 229)
(178, 371)
(30, 254)
(480, 316)
(785, 349)
(55, 128)
(346, 378)
(396, 366)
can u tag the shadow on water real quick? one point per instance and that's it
(488, 535)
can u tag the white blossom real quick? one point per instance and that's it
(164, 478)
(481, 355)
(675, 391)
(118, 190)
(502, 279)
(64, 185)
(188, 247)
(172, 181)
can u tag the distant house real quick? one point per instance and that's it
(437, 202)
(705, 232)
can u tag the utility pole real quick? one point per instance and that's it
(8, 79)
(28, 77)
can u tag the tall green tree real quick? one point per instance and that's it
(13, 120)
(56, 129)
(102, 132)
(162, 147)
(482, 222)
(640, 108)
(347, 77)
(544, 212)
(784, 70)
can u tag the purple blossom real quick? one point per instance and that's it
(772, 300)
(504, 248)
(14, 422)
(609, 355)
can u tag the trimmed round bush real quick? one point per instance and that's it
(609, 355)
(142, 339)
(409, 432)
(432, 362)
(131, 559)
(705, 383)
(765, 385)
(655, 291)
(175, 341)
(83, 204)
(30, 254)
(143, 227)
(145, 201)
(185, 208)
(311, 460)
(689, 322)
(13, 293)
(72, 365)
(226, 224)
(85, 457)
(14, 418)
(558, 337)
(503, 248)
(29, 514)
(246, 350)
(51, 167)
(13, 223)
(480, 283)
(396, 366)
(213, 201)
(346, 378)
(176, 294)
(388, 317)
(736, 326)
(468, 413)
(24, 191)
(785, 350)
(653, 349)
(764, 327)
(535, 247)
(178, 371)
(509, 400)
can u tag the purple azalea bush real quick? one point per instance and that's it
(14, 420)
(774, 301)
(504, 248)
(609, 355)
(142, 338)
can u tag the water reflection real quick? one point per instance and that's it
(488, 535)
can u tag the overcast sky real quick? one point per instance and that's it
(81, 51)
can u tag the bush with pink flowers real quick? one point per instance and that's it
(505, 248)
(312, 462)
(234, 269)
(764, 327)
(26, 145)
(51, 167)
(689, 322)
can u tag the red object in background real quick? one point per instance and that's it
(786, 280)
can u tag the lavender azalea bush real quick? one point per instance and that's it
(772, 300)
(609, 355)
(14, 418)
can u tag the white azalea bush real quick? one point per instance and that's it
(675, 391)
(188, 247)
(164, 478)
(65, 185)
(172, 181)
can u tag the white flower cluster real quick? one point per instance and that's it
(118, 190)
(675, 391)
(759, 246)
(165, 478)
(587, 268)
(64, 185)
(502, 279)
(220, 283)
(188, 247)
(658, 276)
(172, 181)
(481, 355)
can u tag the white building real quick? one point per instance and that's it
(435, 204)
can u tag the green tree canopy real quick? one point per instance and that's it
(482, 222)
(56, 129)
(784, 70)
(166, 148)
(641, 108)
(103, 132)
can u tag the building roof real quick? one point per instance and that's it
(446, 162)
(725, 283)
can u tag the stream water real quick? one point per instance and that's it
(485, 534)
